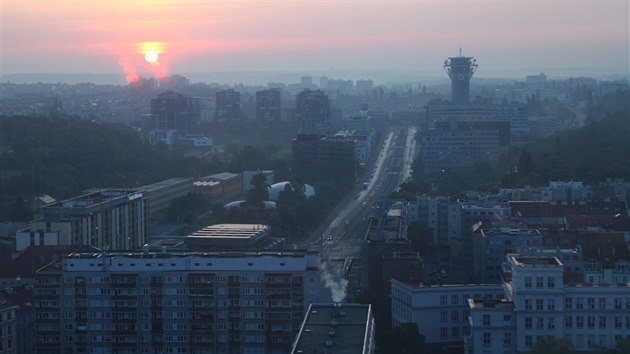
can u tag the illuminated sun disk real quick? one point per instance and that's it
(151, 56)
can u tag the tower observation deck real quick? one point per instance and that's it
(460, 70)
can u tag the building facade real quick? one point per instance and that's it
(268, 105)
(538, 303)
(228, 106)
(312, 110)
(175, 302)
(106, 219)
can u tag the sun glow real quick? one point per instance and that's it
(151, 56)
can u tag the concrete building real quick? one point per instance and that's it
(336, 328)
(459, 147)
(18, 330)
(515, 113)
(364, 86)
(233, 236)
(460, 70)
(106, 219)
(315, 149)
(220, 187)
(312, 110)
(174, 111)
(8, 332)
(538, 303)
(490, 246)
(159, 195)
(268, 105)
(228, 106)
(175, 302)
(440, 311)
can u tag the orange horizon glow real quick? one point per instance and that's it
(278, 34)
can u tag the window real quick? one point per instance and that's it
(486, 338)
(590, 321)
(443, 316)
(580, 303)
(551, 282)
(507, 317)
(454, 299)
(551, 323)
(602, 321)
(455, 332)
(528, 282)
(528, 322)
(486, 320)
(528, 341)
(444, 333)
(507, 338)
(579, 321)
(528, 304)
(602, 303)
(443, 300)
(591, 303)
(539, 282)
(454, 316)
(618, 303)
(618, 322)
(540, 323)
(539, 304)
(568, 321)
(568, 303)
(551, 304)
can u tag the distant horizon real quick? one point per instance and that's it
(263, 77)
(509, 38)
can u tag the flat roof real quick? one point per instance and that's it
(334, 328)
(232, 231)
(537, 260)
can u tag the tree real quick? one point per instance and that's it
(525, 162)
(403, 339)
(552, 345)
(260, 190)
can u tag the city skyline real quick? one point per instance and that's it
(509, 38)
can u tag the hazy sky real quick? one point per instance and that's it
(269, 35)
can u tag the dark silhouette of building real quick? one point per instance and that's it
(268, 107)
(460, 70)
(174, 111)
(313, 111)
(228, 106)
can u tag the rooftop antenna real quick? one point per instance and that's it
(460, 51)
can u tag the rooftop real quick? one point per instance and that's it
(95, 198)
(334, 329)
(534, 261)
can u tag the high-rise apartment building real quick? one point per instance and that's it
(175, 302)
(312, 109)
(268, 106)
(173, 111)
(228, 106)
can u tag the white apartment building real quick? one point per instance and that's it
(538, 304)
(440, 311)
(175, 302)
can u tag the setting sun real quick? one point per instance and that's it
(151, 56)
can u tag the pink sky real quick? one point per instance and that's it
(268, 35)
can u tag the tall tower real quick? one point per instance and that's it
(460, 70)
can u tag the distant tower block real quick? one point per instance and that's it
(460, 70)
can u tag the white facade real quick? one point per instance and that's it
(440, 311)
(539, 304)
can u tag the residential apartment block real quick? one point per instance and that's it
(175, 302)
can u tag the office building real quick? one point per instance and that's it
(268, 105)
(228, 106)
(336, 328)
(113, 219)
(159, 195)
(175, 302)
(220, 187)
(17, 323)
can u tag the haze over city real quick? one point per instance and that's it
(319, 37)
